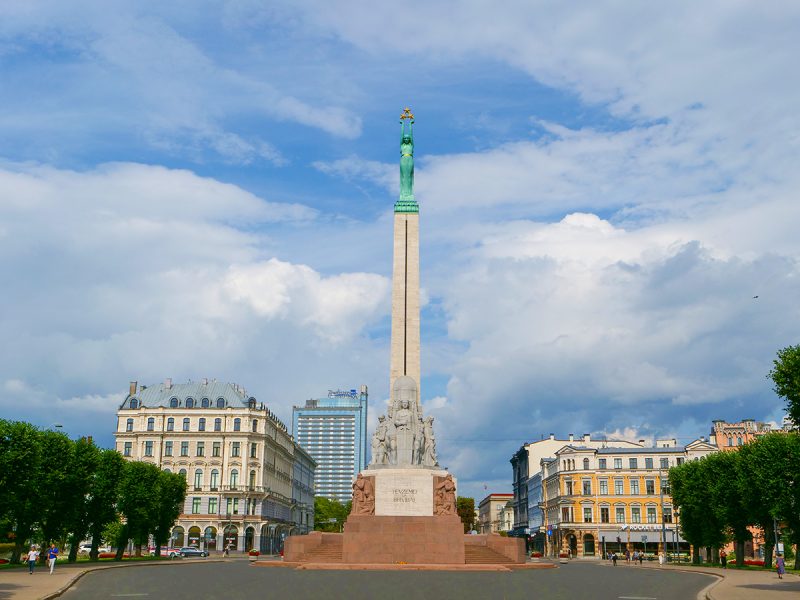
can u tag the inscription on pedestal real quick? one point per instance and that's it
(404, 494)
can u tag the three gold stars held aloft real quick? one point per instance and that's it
(407, 114)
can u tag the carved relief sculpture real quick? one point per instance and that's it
(444, 496)
(363, 496)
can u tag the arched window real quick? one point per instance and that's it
(730, 440)
(255, 425)
(252, 480)
(739, 441)
(234, 479)
(198, 478)
(170, 424)
(129, 425)
(204, 403)
(151, 424)
(237, 424)
(214, 479)
(585, 464)
(167, 470)
(201, 424)
(217, 424)
(173, 403)
(190, 403)
(182, 473)
(134, 403)
(220, 402)
(186, 424)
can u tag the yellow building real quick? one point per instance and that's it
(601, 500)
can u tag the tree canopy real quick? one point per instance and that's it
(785, 375)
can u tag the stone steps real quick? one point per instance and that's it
(324, 553)
(481, 555)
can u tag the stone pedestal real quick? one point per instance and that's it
(403, 539)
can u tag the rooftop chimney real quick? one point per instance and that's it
(571, 438)
(133, 388)
(641, 442)
(586, 438)
(552, 436)
(168, 383)
(205, 380)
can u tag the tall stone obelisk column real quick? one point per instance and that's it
(405, 360)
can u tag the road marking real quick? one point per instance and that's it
(637, 598)
(127, 595)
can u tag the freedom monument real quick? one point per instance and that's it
(404, 503)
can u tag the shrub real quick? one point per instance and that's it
(254, 553)
(563, 555)
(536, 554)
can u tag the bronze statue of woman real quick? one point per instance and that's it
(406, 156)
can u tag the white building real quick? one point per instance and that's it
(238, 458)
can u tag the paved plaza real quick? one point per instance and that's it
(239, 580)
(236, 578)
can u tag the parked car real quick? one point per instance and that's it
(191, 551)
(167, 552)
(87, 548)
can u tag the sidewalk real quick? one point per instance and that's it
(738, 585)
(17, 584)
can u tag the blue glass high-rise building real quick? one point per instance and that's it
(333, 431)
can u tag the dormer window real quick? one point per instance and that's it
(251, 403)
(134, 403)
(204, 403)
(190, 403)
(173, 403)
(220, 402)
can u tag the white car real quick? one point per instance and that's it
(87, 548)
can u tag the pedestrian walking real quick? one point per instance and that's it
(723, 558)
(660, 558)
(31, 557)
(628, 556)
(614, 558)
(780, 565)
(641, 557)
(52, 555)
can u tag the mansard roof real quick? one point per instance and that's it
(162, 395)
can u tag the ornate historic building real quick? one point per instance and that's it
(612, 499)
(249, 484)
(493, 513)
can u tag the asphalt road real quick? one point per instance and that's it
(237, 579)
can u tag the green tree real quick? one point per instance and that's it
(774, 473)
(700, 525)
(753, 462)
(329, 515)
(81, 470)
(785, 374)
(725, 475)
(103, 496)
(170, 494)
(54, 497)
(20, 464)
(465, 507)
(137, 503)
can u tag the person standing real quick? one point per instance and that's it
(52, 555)
(614, 558)
(780, 566)
(31, 558)
(723, 558)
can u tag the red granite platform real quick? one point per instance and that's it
(411, 540)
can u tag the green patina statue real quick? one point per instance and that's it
(406, 203)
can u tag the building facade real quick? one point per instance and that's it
(491, 512)
(526, 462)
(237, 456)
(730, 436)
(597, 500)
(333, 431)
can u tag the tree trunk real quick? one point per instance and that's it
(74, 543)
(122, 541)
(695, 555)
(769, 544)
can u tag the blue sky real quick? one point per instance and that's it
(204, 189)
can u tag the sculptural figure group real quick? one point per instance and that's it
(403, 437)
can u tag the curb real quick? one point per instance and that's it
(80, 574)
